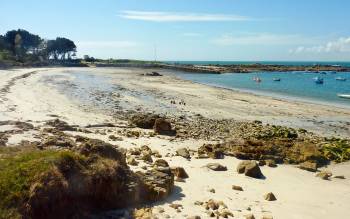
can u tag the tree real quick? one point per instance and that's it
(21, 42)
(3, 45)
(60, 48)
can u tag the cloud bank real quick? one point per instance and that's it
(160, 16)
(340, 45)
(259, 39)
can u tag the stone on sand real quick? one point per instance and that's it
(183, 152)
(309, 166)
(216, 167)
(237, 188)
(270, 197)
(249, 168)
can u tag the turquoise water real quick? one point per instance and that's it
(291, 63)
(295, 85)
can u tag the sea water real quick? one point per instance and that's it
(293, 85)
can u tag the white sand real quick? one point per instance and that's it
(300, 195)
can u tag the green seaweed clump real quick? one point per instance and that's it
(337, 150)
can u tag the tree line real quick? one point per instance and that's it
(23, 46)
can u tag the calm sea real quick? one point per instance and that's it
(293, 85)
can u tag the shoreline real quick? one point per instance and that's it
(210, 116)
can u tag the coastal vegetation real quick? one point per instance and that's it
(22, 48)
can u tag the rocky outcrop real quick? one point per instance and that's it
(145, 121)
(92, 176)
(60, 125)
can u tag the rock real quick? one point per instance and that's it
(225, 213)
(237, 188)
(271, 163)
(145, 121)
(163, 127)
(179, 172)
(161, 163)
(153, 74)
(131, 161)
(175, 206)
(145, 149)
(178, 179)
(115, 138)
(339, 177)
(156, 185)
(143, 213)
(194, 217)
(147, 158)
(198, 203)
(249, 216)
(57, 141)
(101, 148)
(183, 152)
(60, 125)
(250, 168)
(211, 150)
(262, 163)
(309, 166)
(211, 204)
(211, 190)
(270, 197)
(216, 167)
(324, 175)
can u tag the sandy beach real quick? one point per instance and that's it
(88, 96)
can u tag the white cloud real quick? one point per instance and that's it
(260, 39)
(340, 45)
(106, 44)
(160, 16)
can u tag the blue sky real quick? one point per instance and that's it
(252, 30)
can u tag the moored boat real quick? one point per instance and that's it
(276, 79)
(346, 96)
(340, 79)
(318, 80)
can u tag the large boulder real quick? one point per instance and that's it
(250, 168)
(163, 127)
(156, 185)
(145, 121)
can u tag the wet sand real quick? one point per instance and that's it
(83, 96)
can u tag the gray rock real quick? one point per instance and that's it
(183, 152)
(216, 167)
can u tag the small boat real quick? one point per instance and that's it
(340, 79)
(323, 73)
(318, 80)
(346, 96)
(257, 79)
(276, 79)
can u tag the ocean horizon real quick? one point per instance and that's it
(290, 63)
